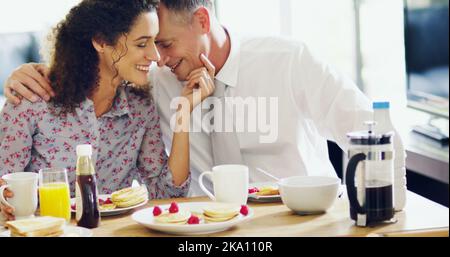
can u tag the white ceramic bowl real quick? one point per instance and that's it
(309, 195)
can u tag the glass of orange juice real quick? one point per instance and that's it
(54, 193)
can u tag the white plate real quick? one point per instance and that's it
(263, 198)
(145, 218)
(116, 211)
(69, 231)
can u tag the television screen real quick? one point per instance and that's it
(426, 48)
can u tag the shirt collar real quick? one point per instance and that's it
(120, 106)
(230, 70)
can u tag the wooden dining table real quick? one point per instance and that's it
(421, 217)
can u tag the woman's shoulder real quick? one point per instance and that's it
(27, 108)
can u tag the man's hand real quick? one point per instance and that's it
(30, 81)
(201, 79)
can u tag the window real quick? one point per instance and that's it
(32, 15)
(250, 17)
(361, 38)
(382, 49)
(326, 26)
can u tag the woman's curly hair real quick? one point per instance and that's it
(74, 63)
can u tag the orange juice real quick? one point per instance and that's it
(54, 200)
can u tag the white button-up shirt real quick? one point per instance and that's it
(315, 103)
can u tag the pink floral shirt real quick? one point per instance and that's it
(126, 143)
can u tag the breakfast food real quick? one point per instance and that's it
(193, 220)
(157, 211)
(179, 218)
(244, 210)
(37, 227)
(123, 198)
(129, 196)
(173, 215)
(173, 207)
(106, 205)
(220, 212)
(265, 190)
(211, 213)
(253, 190)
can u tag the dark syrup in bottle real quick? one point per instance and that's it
(87, 205)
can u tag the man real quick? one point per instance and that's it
(312, 102)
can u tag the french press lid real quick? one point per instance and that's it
(369, 137)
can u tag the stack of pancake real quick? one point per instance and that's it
(212, 213)
(220, 212)
(130, 196)
(179, 218)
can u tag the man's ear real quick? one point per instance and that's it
(99, 45)
(202, 18)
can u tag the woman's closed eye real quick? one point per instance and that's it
(143, 45)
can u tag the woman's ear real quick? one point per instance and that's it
(99, 45)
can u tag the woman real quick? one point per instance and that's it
(100, 61)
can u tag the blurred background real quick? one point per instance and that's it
(395, 50)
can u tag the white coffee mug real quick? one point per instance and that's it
(230, 183)
(24, 185)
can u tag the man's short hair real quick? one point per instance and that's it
(187, 5)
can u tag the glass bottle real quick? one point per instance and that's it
(87, 205)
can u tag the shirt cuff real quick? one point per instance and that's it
(178, 191)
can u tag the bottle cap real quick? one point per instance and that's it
(381, 105)
(84, 150)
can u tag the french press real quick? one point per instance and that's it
(370, 175)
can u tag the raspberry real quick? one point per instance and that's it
(173, 207)
(73, 206)
(244, 210)
(253, 190)
(108, 201)
(101, 201)
(193, 220)
(157, 211)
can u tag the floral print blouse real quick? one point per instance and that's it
(126, 143)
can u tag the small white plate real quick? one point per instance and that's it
(145, 218)
(263, 198)
(113, 212)
(69, 231)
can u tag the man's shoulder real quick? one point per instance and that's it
(270, 44)
(2, 101)
(162, 75)
(164, 83)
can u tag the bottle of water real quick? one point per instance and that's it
(384, 124)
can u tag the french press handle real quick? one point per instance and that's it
(350, 182)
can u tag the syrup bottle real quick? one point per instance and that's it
(87, 205)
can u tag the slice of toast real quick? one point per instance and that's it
(36, 227)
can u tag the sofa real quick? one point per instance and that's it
(16, 49)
